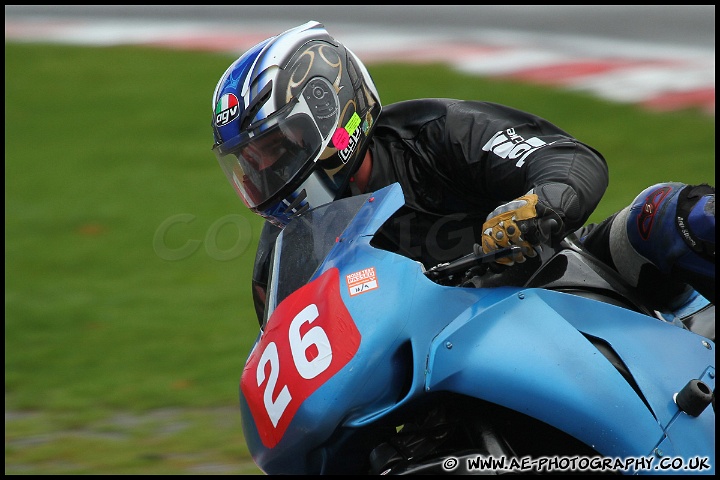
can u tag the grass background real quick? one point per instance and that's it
(128, 314)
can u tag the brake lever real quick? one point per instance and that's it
(477, 258)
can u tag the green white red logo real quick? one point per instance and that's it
(226, 110)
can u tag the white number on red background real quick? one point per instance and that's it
(300, 346)
(274, 409)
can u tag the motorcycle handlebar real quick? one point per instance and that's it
(475, 259)
(544, 230)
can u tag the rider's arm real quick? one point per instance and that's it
(503, 153)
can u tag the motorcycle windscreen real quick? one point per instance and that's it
(303, 245)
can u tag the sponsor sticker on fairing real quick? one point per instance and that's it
(362, 281)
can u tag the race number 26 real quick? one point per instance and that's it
(308, 339)
(300, 346)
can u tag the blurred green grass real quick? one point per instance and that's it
(128, 314)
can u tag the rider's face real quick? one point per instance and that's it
(268, 149)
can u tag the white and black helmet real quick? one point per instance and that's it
(292, 119)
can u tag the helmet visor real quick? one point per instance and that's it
(261, 161)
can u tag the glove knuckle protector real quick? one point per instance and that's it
(539, 216)
(506, 225)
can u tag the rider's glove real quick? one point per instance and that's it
(527, 222)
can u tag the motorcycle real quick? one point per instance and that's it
(367, 363)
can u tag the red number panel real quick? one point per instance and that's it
(308, 339)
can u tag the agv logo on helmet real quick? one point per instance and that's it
(226, 110)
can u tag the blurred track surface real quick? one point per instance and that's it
(661, 57)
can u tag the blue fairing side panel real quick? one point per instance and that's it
(526, 356)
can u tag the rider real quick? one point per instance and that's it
(297, 123)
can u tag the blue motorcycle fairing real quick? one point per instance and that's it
(528, 355)
(426, 308)
(520, 348)
(658, 354)
(387, 371)
(374, 382)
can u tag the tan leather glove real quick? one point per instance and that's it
(503, 228)
(539, 217)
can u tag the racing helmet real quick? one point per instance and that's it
(292, 119)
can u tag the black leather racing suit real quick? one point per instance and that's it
(457, 161)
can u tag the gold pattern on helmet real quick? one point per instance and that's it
(357, 104)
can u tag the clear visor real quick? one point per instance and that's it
(263, 160)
